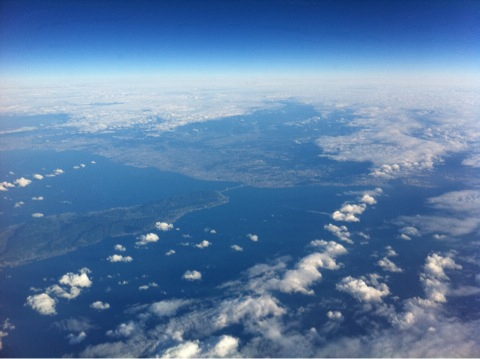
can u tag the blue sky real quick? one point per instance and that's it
(58, 38)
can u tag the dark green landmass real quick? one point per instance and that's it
(51, 236)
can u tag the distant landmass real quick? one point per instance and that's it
(51, 236)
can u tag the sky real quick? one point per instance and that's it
(251, 37)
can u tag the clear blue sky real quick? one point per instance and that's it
(50, 38)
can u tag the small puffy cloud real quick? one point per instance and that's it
(37, 215)
(58, 171)
(348, 213)
(226, 347)
(363, 290)
(164, 226)
(389, 266)
(236, 248)
(19, 204)
(391, 252)
(39, 198)
(341, 232)
(77, 280)
(42, 303)
(124, 330)
(120, 248)
(22, 182)
(170, 252)
(189, 349)
(38, 176)
(99, 305)
(203, 244)
(147, 238)
(119, 258)
(76, 338)
(334, 315)
(4, 186)
(410, 231)
(252, 237)
(167, 308)
(4, 329)
(192, 275)
(368, 199)
(61, 292)
(212, 231)
(148, 286)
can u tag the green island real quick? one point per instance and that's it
(51, 236)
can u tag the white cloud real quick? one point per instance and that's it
(119, 258)
(164, 226)
(226, 347)
(253, 237)
(147, 238)
(368, 199)
(360, 289)
(348, 213)
(389, 266)
(38, 176)
(170, 252)
(192, 275)
(22, 182)
(37, 215)
(4, 186)
(66, 293)
(19, 204)
(334, 315)
(39, 198)
(124, 330)
(120, 248)
(99, 305)
(58, 171)
(77, 280)
(76, 339)
(459, 201)
(341, 232)
(189, 349)
(148, 286)
(236, 247)
(167, 308)
(5, 328)
(42, 303)
(203, 244)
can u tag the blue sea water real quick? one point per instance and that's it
(285, 220)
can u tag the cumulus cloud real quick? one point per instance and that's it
(170, 252)
(38, 176)
(4, 186)
(407, 233)
(236, 248)
(37, 215)
(5, 328)
(76, 338)
(368, 199)
(192, 275)
(148, 286)
(22, 182)
(58, 171)
(434, 278)
(164, 226)
(124, 330)
(252, 237)
(348, 213)
(39, 198)
(77, 280)
(341, 232)
(189, 349)
(19, 204)
(203, 244)
(363, 289)
(119, 258)
(120, 248)
(99, 305)
(389, 266)
(167, 308)
(334, 315)
(147, 238)
(42, 303)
